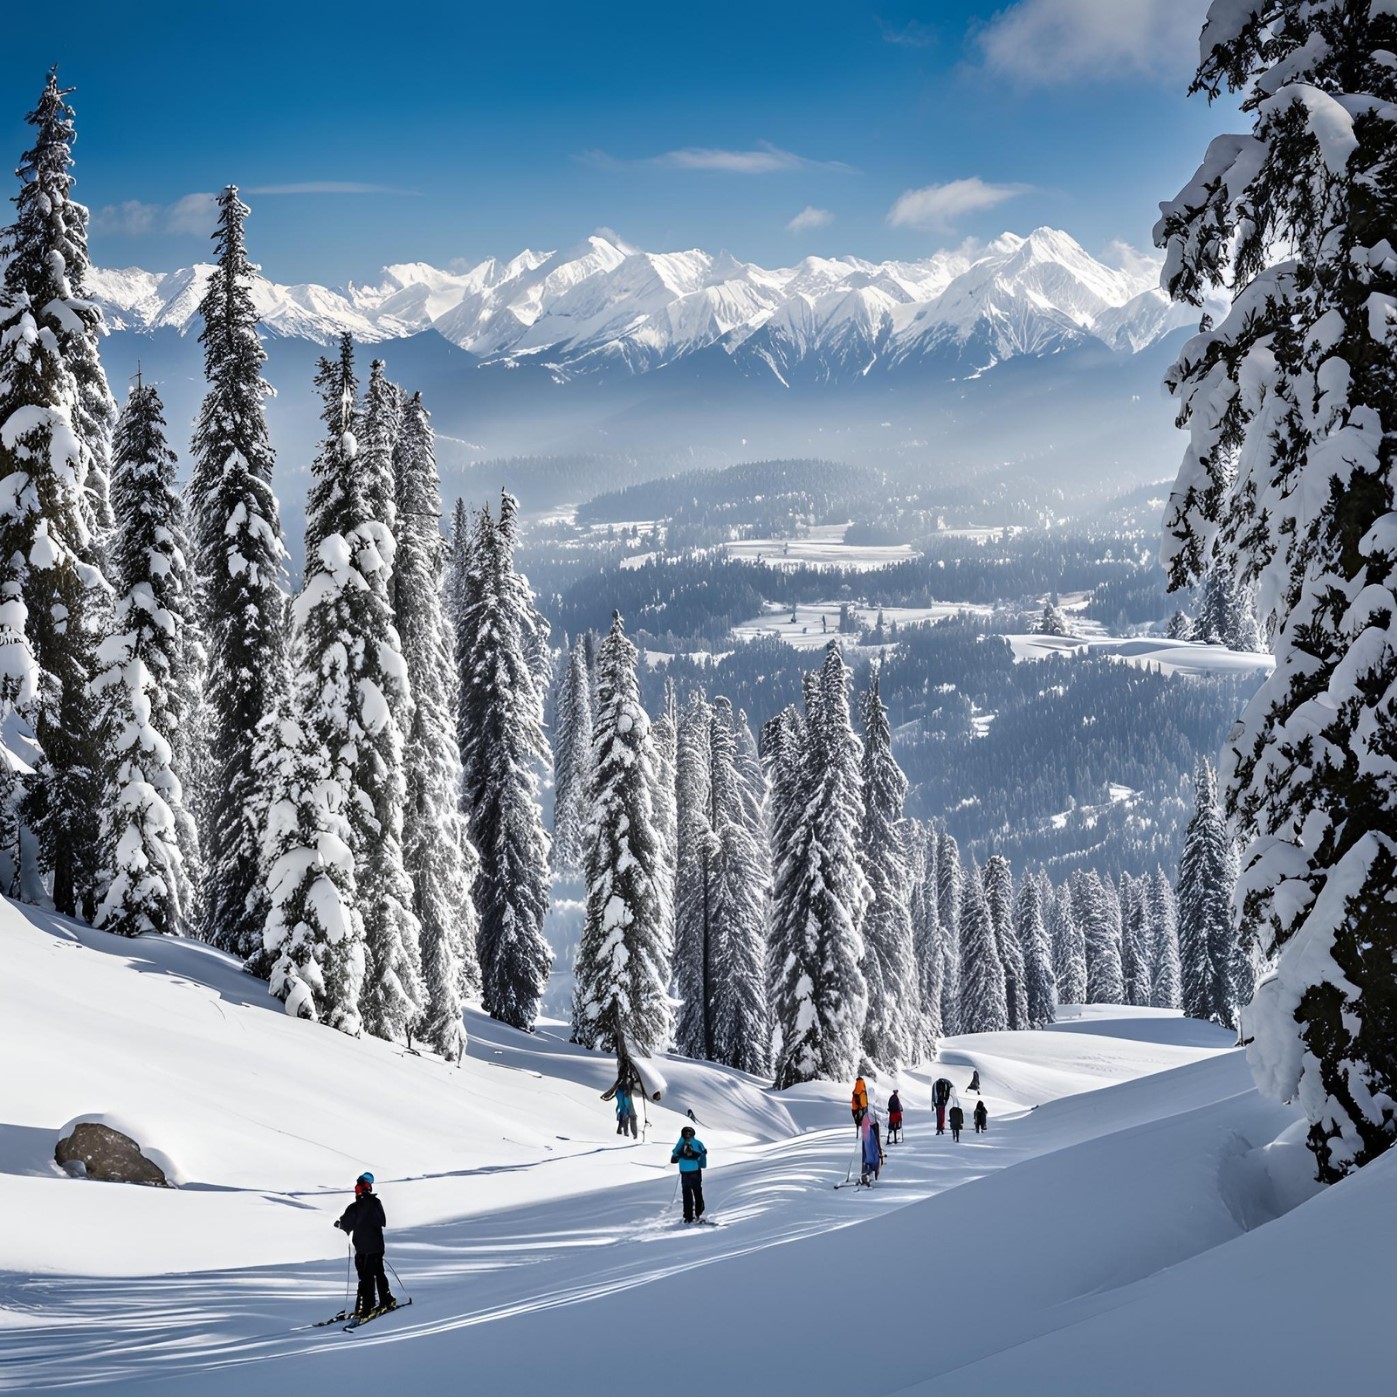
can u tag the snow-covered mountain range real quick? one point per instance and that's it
(605, 306)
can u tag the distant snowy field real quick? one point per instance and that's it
(1137, 1219)
(823, 545)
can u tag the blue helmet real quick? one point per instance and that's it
(365, 1178)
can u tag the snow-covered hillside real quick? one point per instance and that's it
(606, 305)
(1136, 1219)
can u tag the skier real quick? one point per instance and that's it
(895, 1116)
(957, 1118)
(941, 1095)
(625, 1113)
(689, 1154)
(859, 1101)
(975, 1084)
(871, 1149)
(364, 1221)
(979, 1116)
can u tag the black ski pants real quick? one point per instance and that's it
(692, 1186)
(369, 1265)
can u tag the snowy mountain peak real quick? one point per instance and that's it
(603, 304)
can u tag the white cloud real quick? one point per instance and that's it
(1049, 42)
(327, 187)
(810, 217)
(912, 35)
(194, 213)
(764, 159)
(938, 206)
(129, 219)
(1142, 264)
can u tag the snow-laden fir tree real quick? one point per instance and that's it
(1135, 942)
(698, 954)
(1165, 944)
(1288, 482)
(623, 962)
(983, 1007)
(1205, 919)
(1225, 615)
(663, 743)
(572, 761)
(927, 936)
(236, 535)
(741, 1021)
(998, 882)
(1097, 915)
(351, 689)
(314, 935)
(393, 996)
(437, 852)
(890, 971)
(819, 896)
(149, 682)
(1052, 622)
(1041, 1004)
(1069, 948)
(56, 417)
(951, 879)
(500, 732)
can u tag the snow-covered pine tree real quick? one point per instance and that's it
(663, 742)
(697, 953)
(236, 533)
(1033, 938)
(1051, 621)
(820, 893)
(1288, 481)
(927, 936)
(983, 1006)
(314, 934)
(998, 882)
(1096, 913)
(351, 685)
(1225, 612)
(741, 1022)
(623, 963)
(951, 879)
(572, 761)
(1135, 942)
(1165, 942)
(56, 416)
(500, 733)
(437, 852)
(1204, 895)
(890, 971)
(148, 685)
(1069, 948)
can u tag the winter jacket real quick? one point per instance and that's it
(624, 1105)
(859, 1098)
(364, 1221)
(895, 1107)
(689, 1155)
(980, 1114)
(873, 1148)
(957, 1118)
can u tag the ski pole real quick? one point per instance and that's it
(675, 1190)
(396, 1277)
(349, 1262)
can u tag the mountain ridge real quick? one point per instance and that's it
(604, 307)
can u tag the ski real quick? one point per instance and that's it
(337, 1319)
(375, 1314)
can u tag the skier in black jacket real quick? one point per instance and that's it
(364, 1221)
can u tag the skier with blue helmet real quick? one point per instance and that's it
(364, 1221)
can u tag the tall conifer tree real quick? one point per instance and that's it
(56, 416)
(983, 1006)
(1204, 895)
(239, 556)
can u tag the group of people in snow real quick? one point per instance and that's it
(944, 1101)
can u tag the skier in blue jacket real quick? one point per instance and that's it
(625, 1113)
(689, 1154)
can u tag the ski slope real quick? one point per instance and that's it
(1137, 1218)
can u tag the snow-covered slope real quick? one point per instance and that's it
(604, 305)
(1137, 1219)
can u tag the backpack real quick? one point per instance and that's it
(859, 1100)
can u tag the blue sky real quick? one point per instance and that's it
(450, 132)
